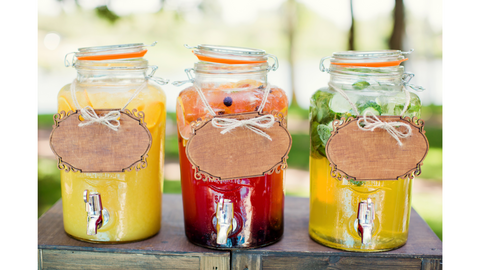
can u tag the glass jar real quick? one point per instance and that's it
(130, 202)
(233, 80)
(373, 81)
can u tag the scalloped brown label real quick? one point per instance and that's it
(96, 148)
(240, 153)
(361, 155)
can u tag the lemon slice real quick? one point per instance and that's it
(183, 126)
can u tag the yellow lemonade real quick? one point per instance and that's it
(334, 207)
(133, 199)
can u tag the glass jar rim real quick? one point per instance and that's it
(384, 71)
(379, 58)
(108, 52)
(372, 59)
(129, 64)
(223, 68)
(228, 54)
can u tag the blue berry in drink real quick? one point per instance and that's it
(228, 101)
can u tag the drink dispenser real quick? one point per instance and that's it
(366, 146)
(108, 137)
(229, 83)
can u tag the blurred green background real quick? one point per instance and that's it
(298, 32)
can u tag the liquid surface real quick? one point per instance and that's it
(257, 202)
(133, 199)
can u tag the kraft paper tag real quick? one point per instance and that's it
(239, 153)
(95, 148)
(361, 155)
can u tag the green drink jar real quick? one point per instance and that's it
(364, 216)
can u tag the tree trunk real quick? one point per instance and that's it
(351, 34)
(396, 39)
(291, 11)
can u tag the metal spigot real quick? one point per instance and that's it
(97, 216)
(224, 220)
(365, 218)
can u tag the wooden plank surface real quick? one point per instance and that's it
(297, 250)
(70, 259)
(337, 262)
(422, 241)
(169, 249)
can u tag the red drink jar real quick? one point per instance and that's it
(250, 210)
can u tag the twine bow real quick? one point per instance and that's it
(90, 117)
(229, 124)
(372, 122)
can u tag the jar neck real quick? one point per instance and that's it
(112, 72)
(367, 78)
(207, 73)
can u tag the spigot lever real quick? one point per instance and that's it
(224, 220)
(365, 218)
(97, 216)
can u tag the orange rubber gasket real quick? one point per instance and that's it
(226, 61)
(113, 56)
(373, 64)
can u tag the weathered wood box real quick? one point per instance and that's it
(171, 250)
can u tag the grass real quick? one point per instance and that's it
(48, 184)
(300, 152)
(173, 187)
(429, 207)
(432, 165)
(171, 148)
(45, 121)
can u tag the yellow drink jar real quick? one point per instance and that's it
(373, 81)
(119, 206)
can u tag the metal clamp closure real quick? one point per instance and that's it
(407, 52)
(275, 63)
(406, 78)
(322, 67)
(67, 63)
(190, 77)
(189, 47)
(158, 80)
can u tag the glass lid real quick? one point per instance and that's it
(228, 54)
(109, 52)
(367, 56)
(380, 58)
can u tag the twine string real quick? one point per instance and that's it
(204, 99)
(229, 124)
(110, 119)
(371, 121)
(264, 99)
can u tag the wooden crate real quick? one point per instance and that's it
(171, 250)
(297, 250)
